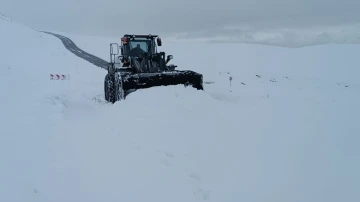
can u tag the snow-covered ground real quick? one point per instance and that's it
(285, 130)
(295, 36)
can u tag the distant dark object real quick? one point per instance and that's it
(346, 86)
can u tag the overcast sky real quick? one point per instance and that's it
(116, 17)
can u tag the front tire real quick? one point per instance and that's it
(113, 88)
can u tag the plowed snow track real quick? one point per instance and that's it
(71, 46)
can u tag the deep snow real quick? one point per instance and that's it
(286, 130)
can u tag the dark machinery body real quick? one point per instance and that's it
(140, 66)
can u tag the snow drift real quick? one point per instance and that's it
(285, 130)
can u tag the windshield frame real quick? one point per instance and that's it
(145, 44)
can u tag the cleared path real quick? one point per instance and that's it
(71, 46)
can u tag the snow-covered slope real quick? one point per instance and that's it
(295, 37)
(32, 109)
(285, 130)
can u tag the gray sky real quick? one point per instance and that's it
(116, 17)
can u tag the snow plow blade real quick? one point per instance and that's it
(148, 80)
(117, 86)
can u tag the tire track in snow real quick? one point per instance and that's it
(71, 46)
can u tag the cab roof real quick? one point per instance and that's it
(149, 36)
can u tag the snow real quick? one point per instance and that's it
(285, 130)
(296, 36)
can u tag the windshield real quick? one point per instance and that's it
(143, 44)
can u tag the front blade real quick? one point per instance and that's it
(148, 80)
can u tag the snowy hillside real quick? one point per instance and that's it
(294, 37)
(285, 130)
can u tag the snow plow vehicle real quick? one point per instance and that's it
(139, 65)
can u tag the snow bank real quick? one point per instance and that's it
(285, 130)
(32, 108)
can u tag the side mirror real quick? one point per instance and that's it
(114, 49)
(168, 58)
(158, 41)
